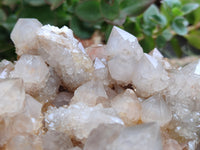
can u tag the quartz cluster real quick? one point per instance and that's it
(59, 95)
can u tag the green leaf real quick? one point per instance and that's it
(167, 34)
(35, 2)
(79, 29)
(194, 38)
(177, 12)
(187, 8)
(172, 3)
(152, 10)
(147, 44)
(54, 3)
(134, 7)
(179, 25)
(109, 9)
(147, 30)
(159, 19)
(89, 11)
(2, 16)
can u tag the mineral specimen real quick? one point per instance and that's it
(57, 96)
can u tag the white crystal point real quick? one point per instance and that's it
(78, 120)
(154, 109)
(34, 72)
(89, 93)
(121, 42)
(66, 55)
(12, 96)
(24, 36)
(155, 53)
(140, 137)
(149, 76)
(102, 136)
(127, 107)
(54, 140)
(121, 68)
(5, 68)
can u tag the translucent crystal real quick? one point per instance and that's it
(5, 68)
(98, 51)
(12, 96)
(54, 140)
(65, 54)
(23, 36)
(154, 109)
(102, 136)
(89, 92)
(122, 68)
(78, 120)
(144, 137)
(121, 42)
(34, 72)
(101, 71)
(149, 76)
(128, 107)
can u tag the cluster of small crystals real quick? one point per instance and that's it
(60, 96)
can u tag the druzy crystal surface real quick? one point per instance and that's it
(59, 95)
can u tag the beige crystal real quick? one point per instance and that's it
(66, 55)
(89, 93)
(23, 36)
(149, 76)
(127, 107)
(12, 96)
(155, 109)
(34, 72)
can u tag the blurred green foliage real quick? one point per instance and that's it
(153, 25)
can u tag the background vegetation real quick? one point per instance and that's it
(170, 25)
